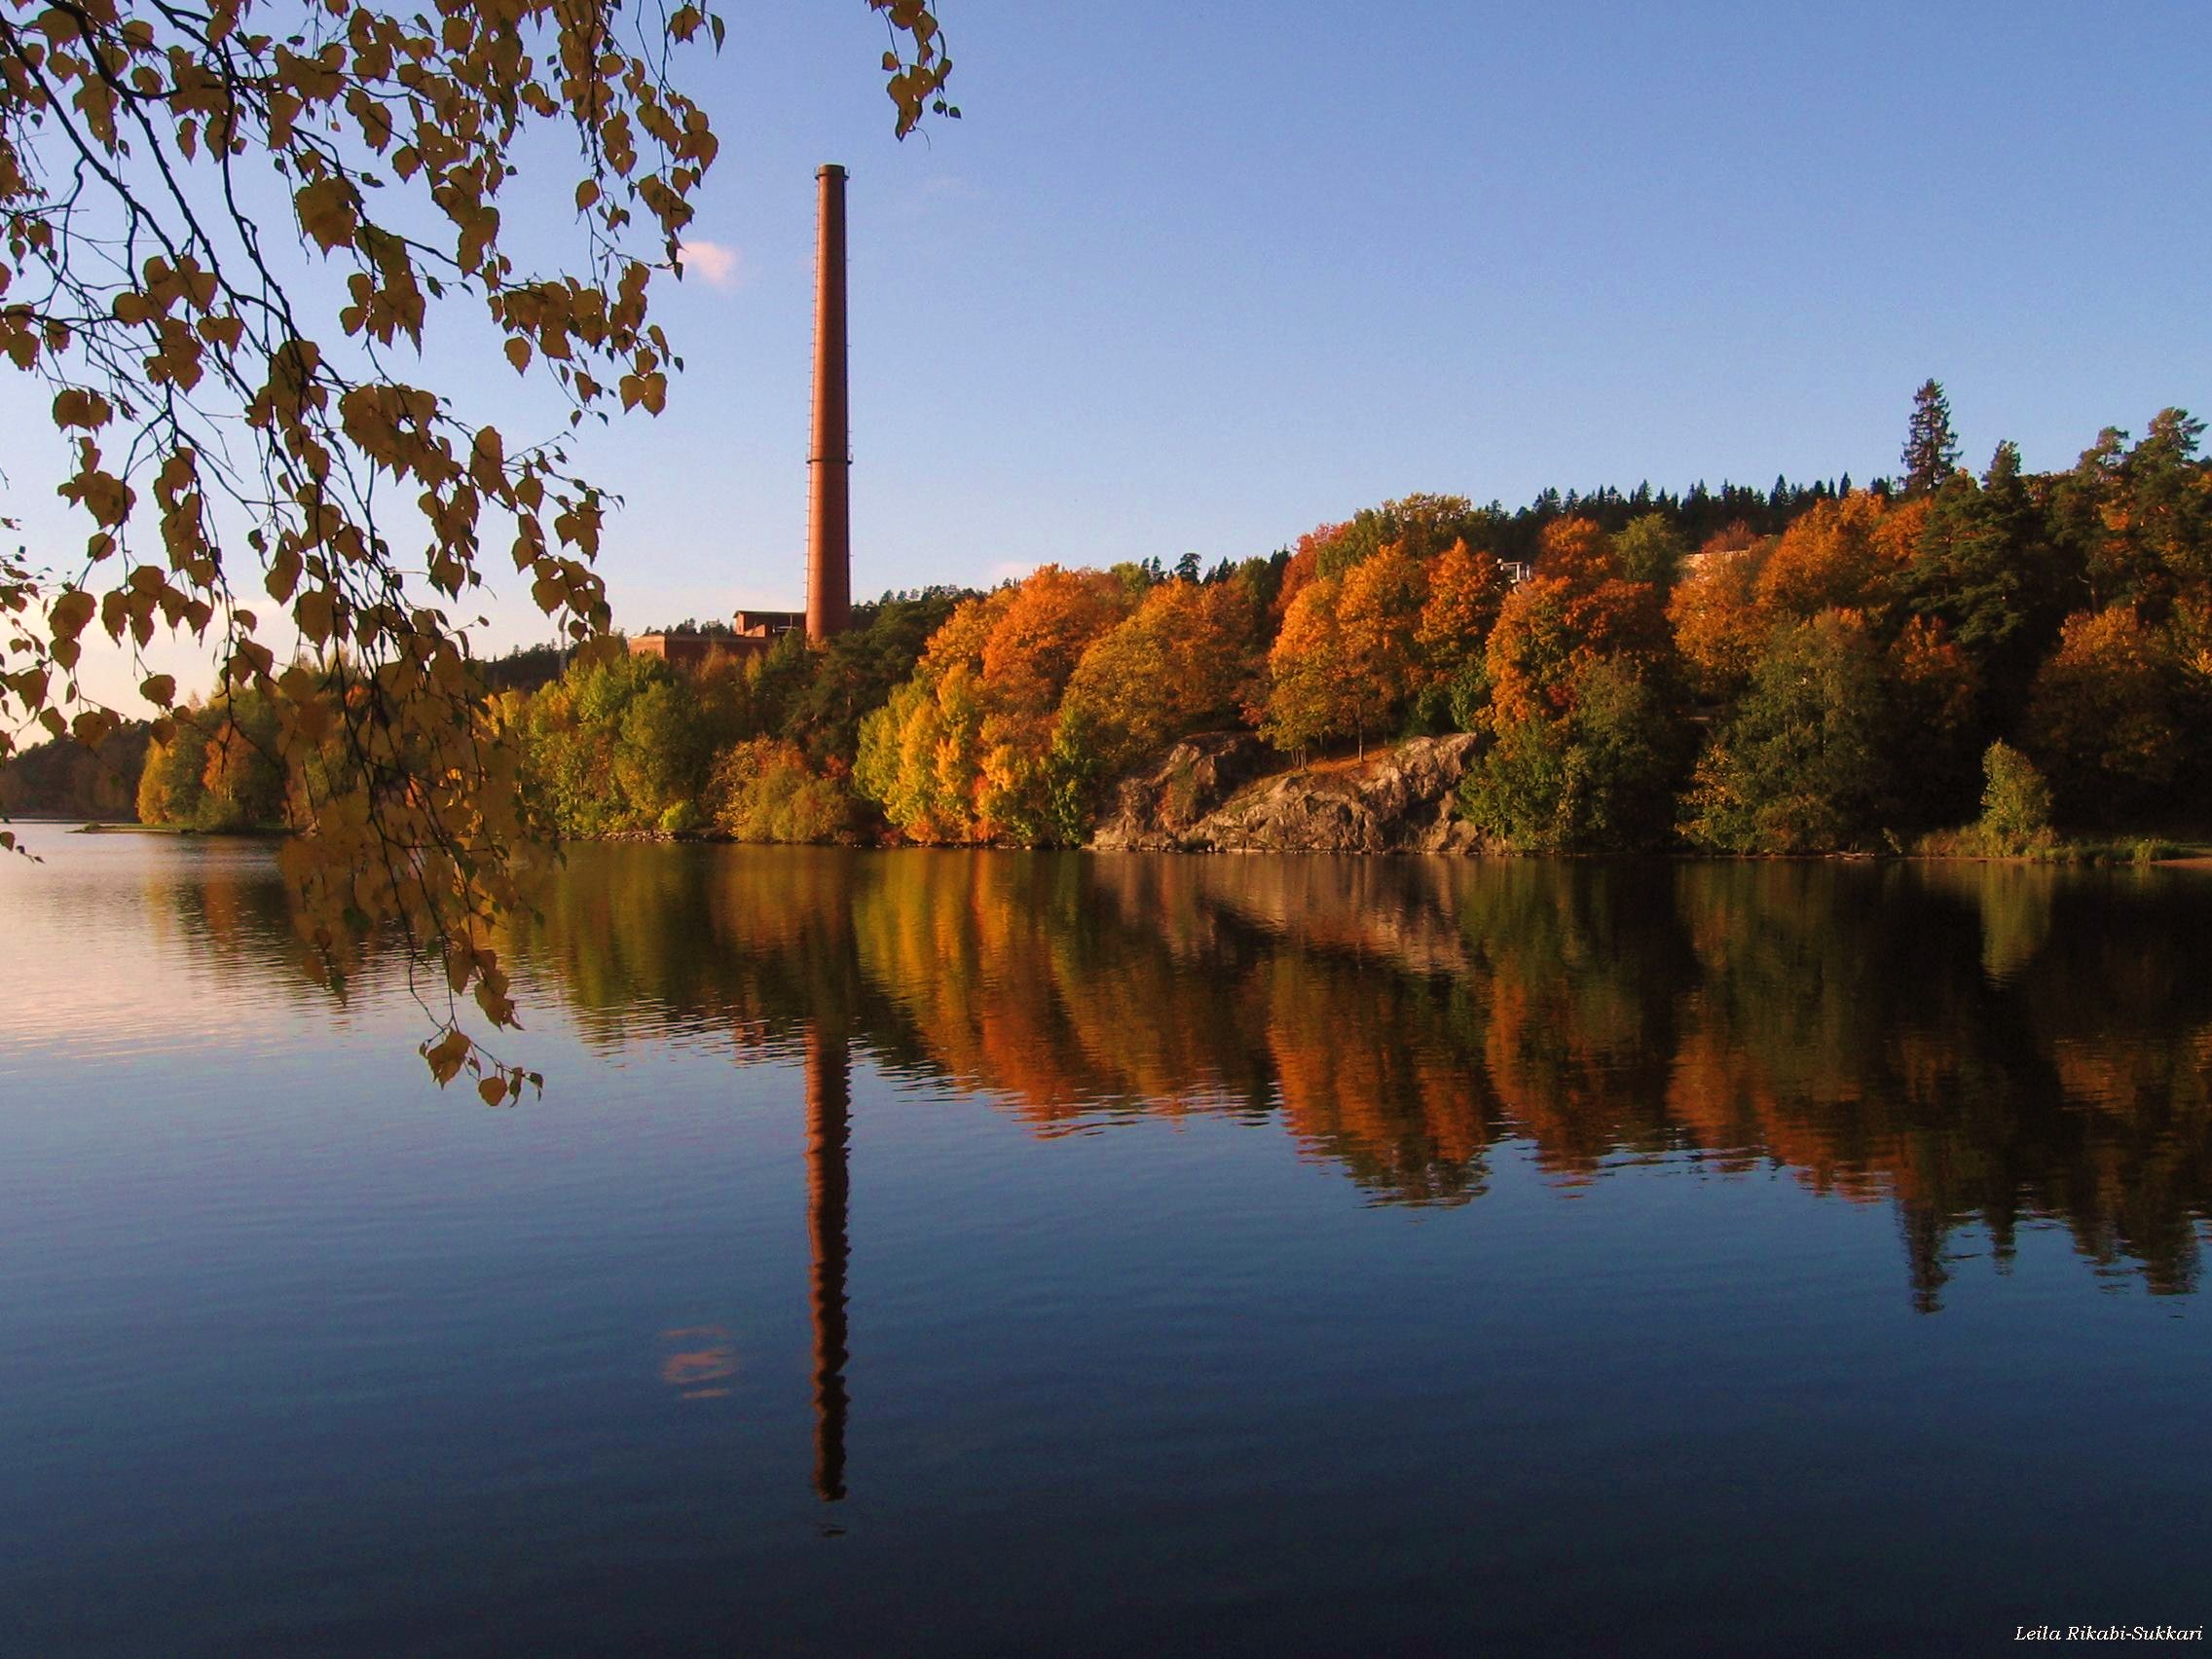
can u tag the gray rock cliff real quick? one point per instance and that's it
(1209, 795)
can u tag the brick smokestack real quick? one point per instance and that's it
(829, 456)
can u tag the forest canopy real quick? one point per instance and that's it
(1992, 655)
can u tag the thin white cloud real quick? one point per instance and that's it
(720, 266)
(938, 190)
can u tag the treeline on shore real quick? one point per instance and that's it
(1825, 668)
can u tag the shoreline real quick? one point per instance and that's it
(2094, 855)
(2099, 854)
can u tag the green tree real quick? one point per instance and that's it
(1930, 449)
(765, 790)
(2137, 518)
(2015, 802)
(1988, 566)
(1599, 778)
(171, 782)
(241, 774)
(1803, 762)
(1650, 549)
(855, 672)
(1421, 525)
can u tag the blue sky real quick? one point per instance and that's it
(1197, 277)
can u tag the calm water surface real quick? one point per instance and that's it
(956, 1253)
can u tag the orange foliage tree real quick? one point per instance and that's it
(1718, 625)
(1851, 553)
(1346, 659)
(1466, 591)
(1581, 678)
(2104, 718)
(1307, 695)
(965, 750)
(1181, 662)
(1573, 611)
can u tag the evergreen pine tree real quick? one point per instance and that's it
(1931, 448)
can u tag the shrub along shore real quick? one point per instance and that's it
(1951, 664)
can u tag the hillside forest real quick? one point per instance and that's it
(1800, 669)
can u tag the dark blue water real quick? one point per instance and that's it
(1000, 1254)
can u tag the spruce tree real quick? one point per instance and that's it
(1930, 449)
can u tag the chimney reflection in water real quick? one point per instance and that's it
(828, 1190)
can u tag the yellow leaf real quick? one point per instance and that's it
(70, 612)
(326, 213)
(75, 407)
(314, 613)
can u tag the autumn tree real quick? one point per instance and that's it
(170, 780)
(1582, 682)
(1346, 658)
(1027, 662)
(1378, 610)
(2105, 719)
(1034, 646)
(1466, 591)
(966, 749)
(1575, 609)
(230, 442)
(1718, 624)
(1304, 565)
(1307, 695)
(919, 753)
(1850, 554)
(1179, 664)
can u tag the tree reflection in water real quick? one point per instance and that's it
(1974, 1044)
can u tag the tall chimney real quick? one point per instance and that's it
(829, 456)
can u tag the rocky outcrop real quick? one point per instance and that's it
(1397, 802)
(1154, 809)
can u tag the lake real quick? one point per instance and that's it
(1001, 1253)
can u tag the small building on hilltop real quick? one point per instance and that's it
(754, 636)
